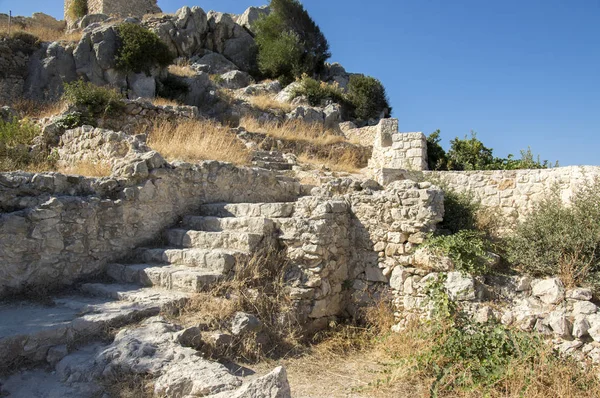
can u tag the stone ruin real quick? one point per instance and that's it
(117, 8)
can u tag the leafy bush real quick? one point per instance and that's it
(95, 100)
(436, 156)
(367, 97)
(15, 138)
(290, 42)
(140, 49)
(78, 9)
(468, 250)
(460, 211)
(75, 119)
(468, 355)
(317, 91)
(559, 239)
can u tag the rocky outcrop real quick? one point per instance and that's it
(14, 58)
(251, 15)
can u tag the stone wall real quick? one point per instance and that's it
(14, 57)
(395, 150)
(515, 192)
(70, 227)
(118, 8)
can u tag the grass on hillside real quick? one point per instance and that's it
(266, 103)
(197, 140)
(182, 70)
(44, 34)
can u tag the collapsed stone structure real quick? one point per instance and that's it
(117, 8)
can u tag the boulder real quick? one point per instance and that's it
(579, 293)
(235, 79)
(287, 94)
(49, 68)
(398, 277)
(213, 63)
(244, 323)
(426, 259)
(141, 85)
(307, 115)
(550, 291)
(461, 287)
(262, 88)
(584, 307)
(272, 385)
(92, 18)
(251, 15)
(333, 116)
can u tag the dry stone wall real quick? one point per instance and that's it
(394, 150)
(515, 192)
(71, 227)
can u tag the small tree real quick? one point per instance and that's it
(367, 97)
(436, 155)
(289, 42)
(469, 154)
(140, 49)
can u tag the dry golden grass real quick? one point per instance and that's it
(293, 130)
(182, 70)
(159, 101)
(87, 169)
(266, 102)
(346, 163)
(35, 109)
(44, 34)
(197, 140)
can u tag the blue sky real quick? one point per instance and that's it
(519, 72)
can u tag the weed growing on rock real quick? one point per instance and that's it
(468, 251)
(94, 100)
(15, 138)
(140, 49)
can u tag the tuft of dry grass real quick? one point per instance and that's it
(348, 162)
(182, 70)
(44, 34)
(87, 169)
(197, 140)
(160, 101)
(266, 103)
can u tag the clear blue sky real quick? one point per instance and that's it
(519, 72)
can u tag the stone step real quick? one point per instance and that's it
(257, 225)
(29, 330)
(270, 165)
(214, 260)
(235, 240)
(178, 278)
(268, 210)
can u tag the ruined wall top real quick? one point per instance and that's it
(118, 8)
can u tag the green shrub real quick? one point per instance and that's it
(289, 42)
(436, 156)
(95, 100)
(140, 49)
(78, 9)
(317, 91)
(75, 119)
(460, 211)
(15, 138)
(467, 355)
(559, 239)
(468, 250)
(367, 97)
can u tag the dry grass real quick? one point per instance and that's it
(159, 101)
(266, 103)
(36, 109)
(197, 140)
(44, 34)
(347, 162)
(293, 130)
(182, 70)
(87, 169)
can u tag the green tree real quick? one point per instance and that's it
(367, 97)
(140, 49)
(289, 42)
(436, 155)
(469, 154)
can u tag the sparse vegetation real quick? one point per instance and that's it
(560, 239)
(367, 97)
(197, 140)
(15, 138)
(140, 49)
(78, 9)
(95, 100)
(468, 251)
(318, 92)
(265, 102)
(289, 42)
(41, 33)
(182, 70)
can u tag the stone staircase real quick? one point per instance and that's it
(273, 160)
(200, 251)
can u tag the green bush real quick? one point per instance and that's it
(467, 355)
(317, 91)
(15, 138)
(367, 97)
(289, 42)
(75, 119)
(460, 211)
(95, 100)
(436, 156)
(468, 250)
(78, 9)
(559, 239)
(140, 49)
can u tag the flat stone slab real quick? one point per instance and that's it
(285, 209)
(260, 225)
